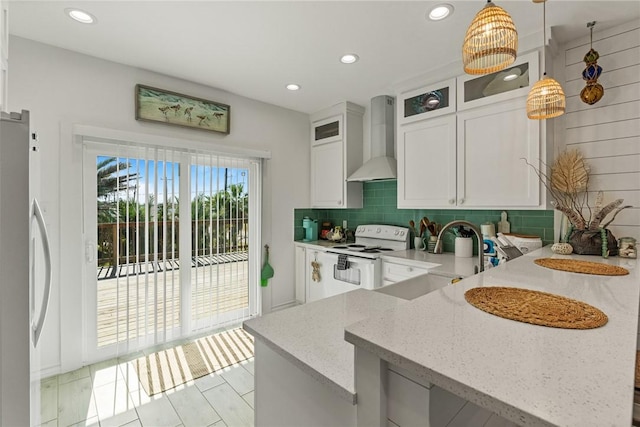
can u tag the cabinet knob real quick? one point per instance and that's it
(452, 201)
(339, 202)
(461, 201)
(409, 269)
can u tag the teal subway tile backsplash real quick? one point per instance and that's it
(380, 207)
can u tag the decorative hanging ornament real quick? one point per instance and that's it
(593, 91)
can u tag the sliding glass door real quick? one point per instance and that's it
(167, 233)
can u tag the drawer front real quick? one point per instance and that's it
(394, 272)
(407, 401)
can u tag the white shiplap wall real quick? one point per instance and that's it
(608, 132)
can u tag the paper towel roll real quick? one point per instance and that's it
(463, 247)
(488, 229)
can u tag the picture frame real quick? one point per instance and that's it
(172, 108)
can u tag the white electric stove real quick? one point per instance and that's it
(373, 240)
(358, 265)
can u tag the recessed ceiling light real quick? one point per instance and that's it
(440, 12)
(80, 16)
(293, 86)
(349, 58)
(511, 74)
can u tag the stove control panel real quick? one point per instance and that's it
(385, 232)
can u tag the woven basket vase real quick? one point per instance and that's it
(585, 242)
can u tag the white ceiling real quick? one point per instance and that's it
(254, 48)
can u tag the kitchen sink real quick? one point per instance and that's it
(416, 286)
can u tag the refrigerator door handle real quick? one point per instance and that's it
(36, 328)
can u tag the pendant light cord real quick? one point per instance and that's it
(590, 25)
(544, 35)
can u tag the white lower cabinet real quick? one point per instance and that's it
(300, 273)
(407, 401)
(396, 272)
(306, 288)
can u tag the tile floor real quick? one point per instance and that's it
(109, 394)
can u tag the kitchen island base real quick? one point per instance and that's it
(390, 396)
(287, 396)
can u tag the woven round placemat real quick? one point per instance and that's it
(535, 307)
(586, 267)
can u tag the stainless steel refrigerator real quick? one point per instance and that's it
(25, 272)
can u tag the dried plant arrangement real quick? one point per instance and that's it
(567, 180)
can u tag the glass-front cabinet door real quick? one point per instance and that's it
(427, 102)
(327, 130)
(512, 82)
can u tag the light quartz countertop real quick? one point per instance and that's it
(319, 244)
(532, 375)
(311, 336)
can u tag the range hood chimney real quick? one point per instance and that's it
(382, 164)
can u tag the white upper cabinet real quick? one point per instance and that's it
(4, 52)
(427, 163)
(493, 143)
(426, 146)
(473, 152)
(336, 153)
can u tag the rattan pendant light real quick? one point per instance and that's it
(546, 98)
(491, 42)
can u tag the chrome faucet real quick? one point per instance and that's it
(476, 230)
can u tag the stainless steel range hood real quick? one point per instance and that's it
(382, 164)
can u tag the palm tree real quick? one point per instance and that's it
(232, 205)
(201, 207)
(113, 176)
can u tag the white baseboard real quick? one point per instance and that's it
(50, 371)
(285, 305)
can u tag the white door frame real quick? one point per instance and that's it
(98, 145)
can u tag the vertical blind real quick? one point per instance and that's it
(172, 244)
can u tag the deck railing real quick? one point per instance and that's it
(133, 242)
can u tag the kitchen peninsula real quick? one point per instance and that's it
(530, 375)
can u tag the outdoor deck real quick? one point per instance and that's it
(109, 272)
(218, 286)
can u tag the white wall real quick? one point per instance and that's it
(608, 132)
(4, 52)
(62, 88)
